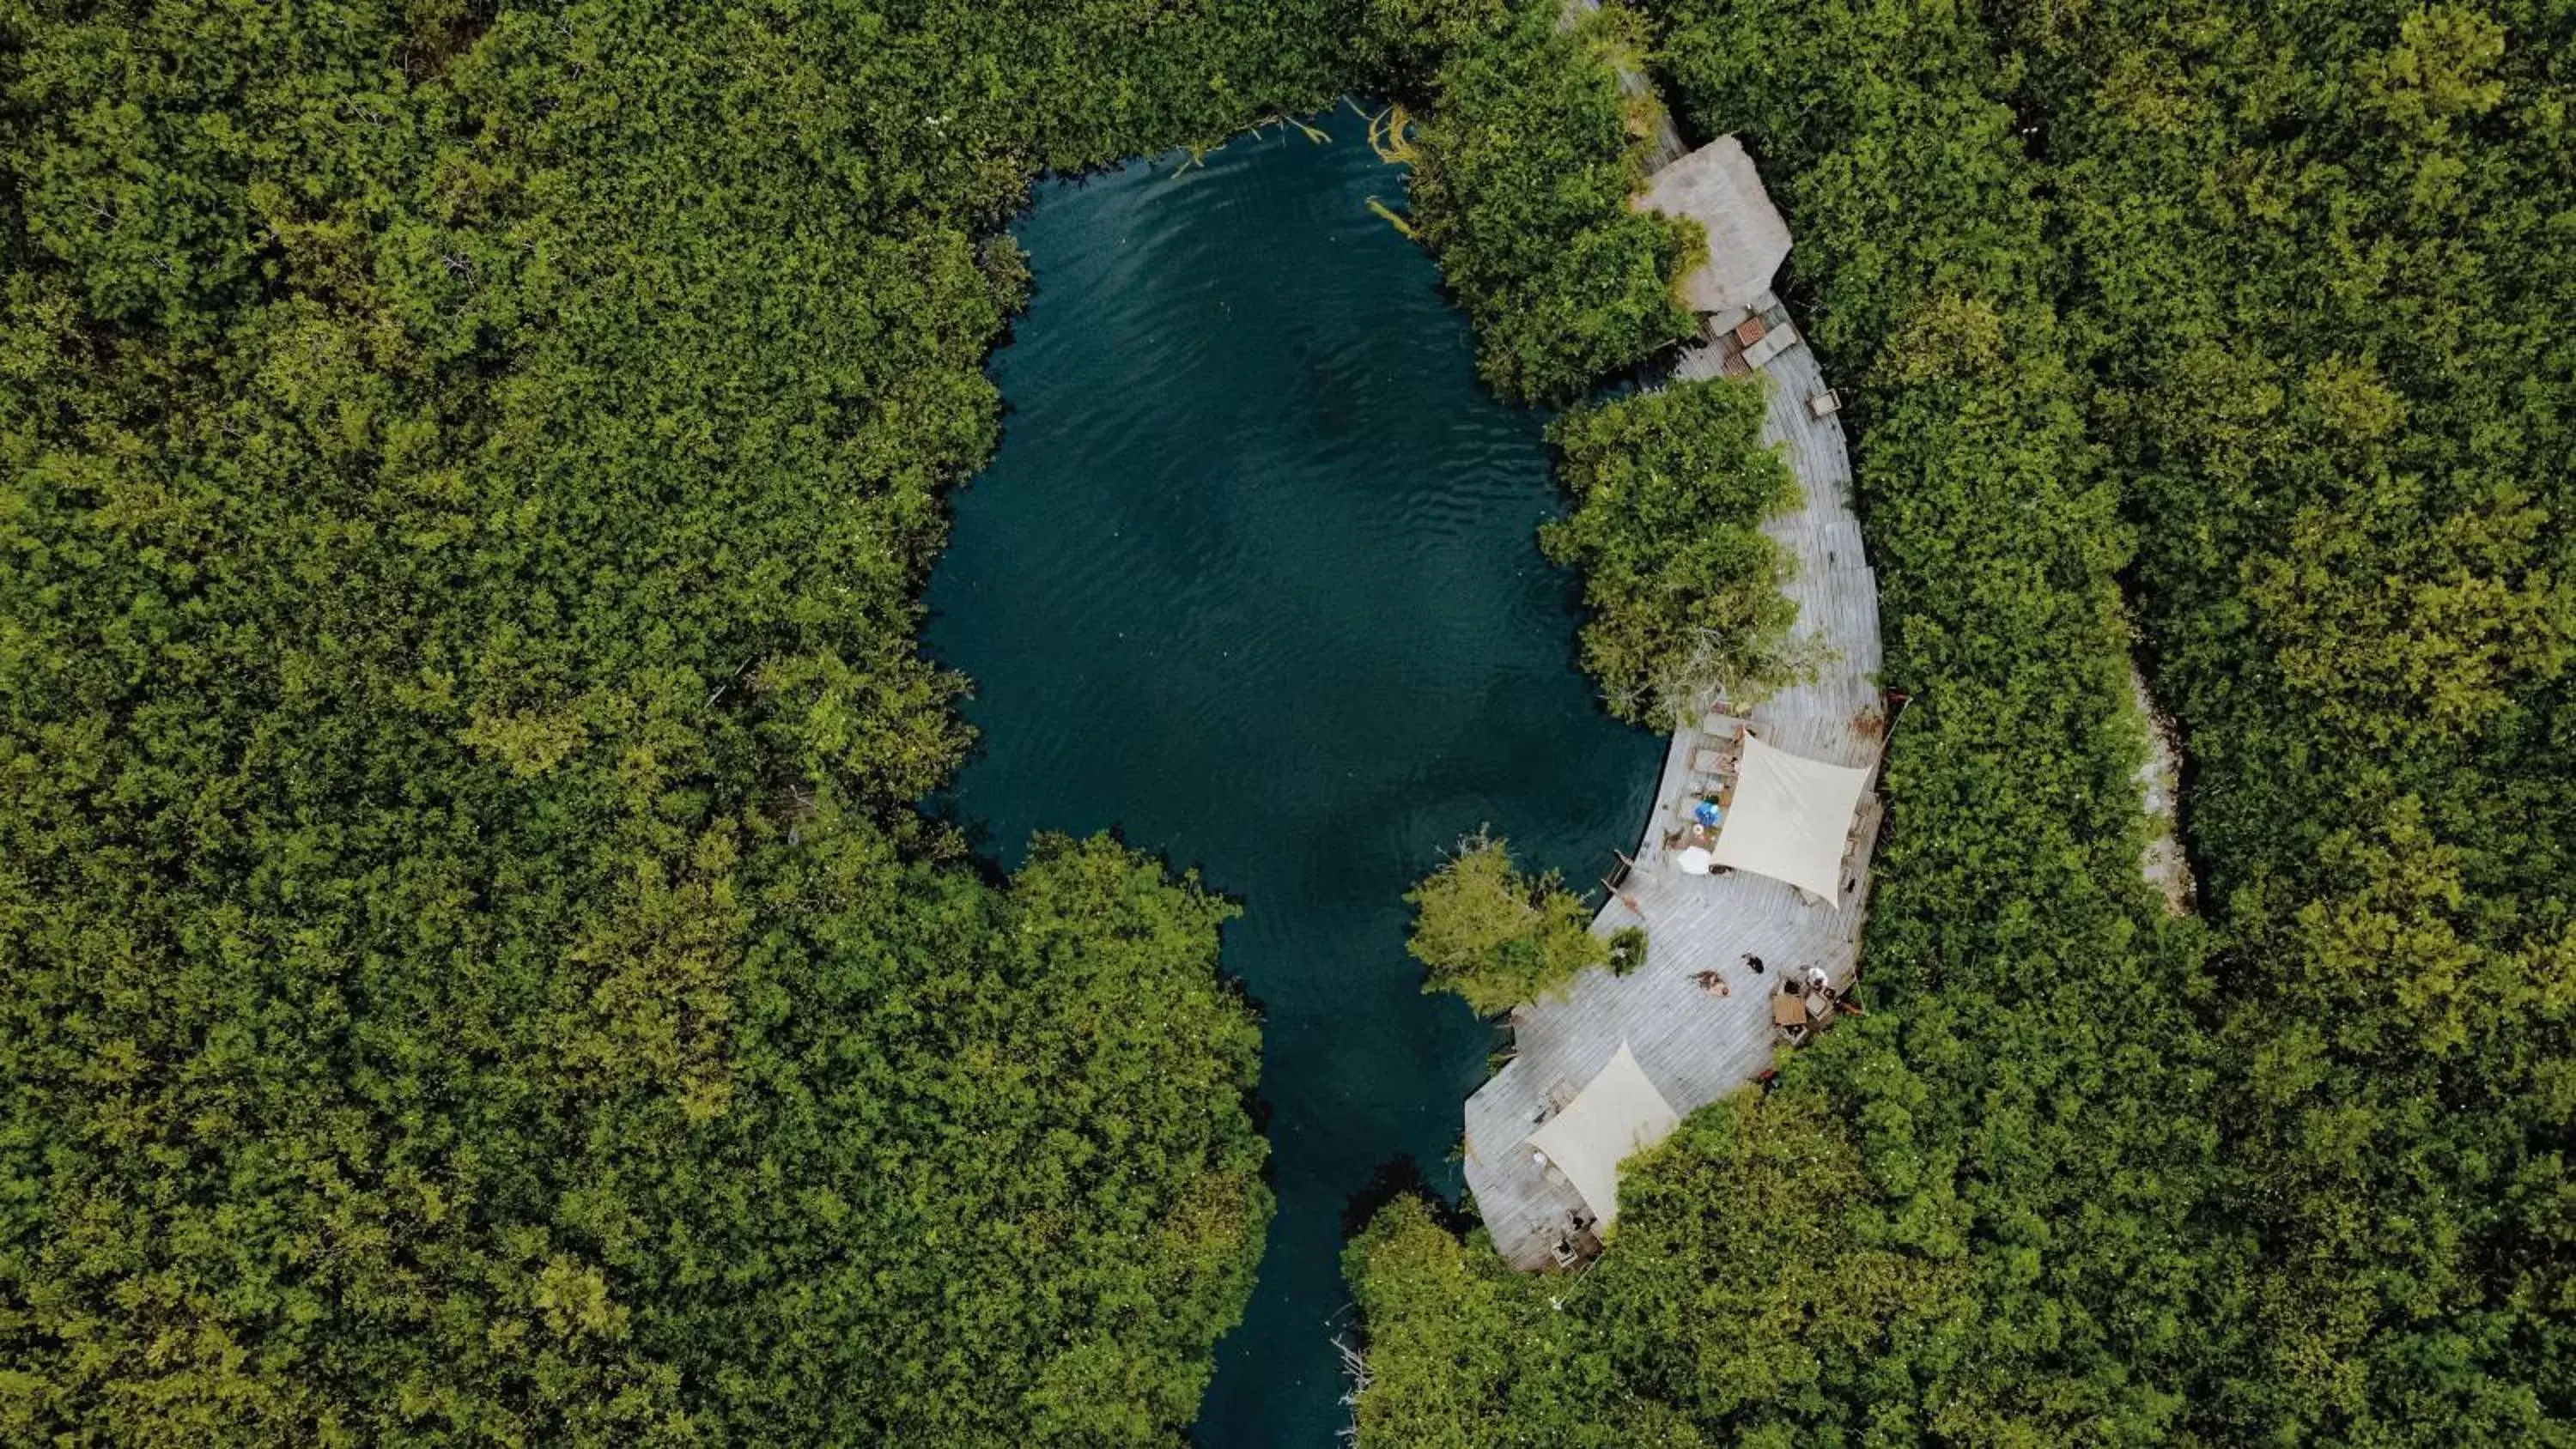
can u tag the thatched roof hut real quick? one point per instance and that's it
(1717, 187)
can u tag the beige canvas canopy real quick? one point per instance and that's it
(1618, 1113)
(1790, 818)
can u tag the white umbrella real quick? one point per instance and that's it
(1693, 859)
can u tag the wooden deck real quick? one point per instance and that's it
(1696, 1047)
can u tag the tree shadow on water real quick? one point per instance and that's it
(1399, 1177)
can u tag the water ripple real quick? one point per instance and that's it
(1253, 577)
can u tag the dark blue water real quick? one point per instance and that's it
(1253, 579)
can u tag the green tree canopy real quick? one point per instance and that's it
(1496, 936)
(471, 970)
(1526, 165)
(1670, 488)
(1744, 1298)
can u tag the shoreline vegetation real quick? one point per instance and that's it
(1496, 936)
(2252, 315)
(473, 968)
(1527, 150)
(1670, 488)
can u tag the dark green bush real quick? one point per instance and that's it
(1528, 160)
(1670, 488)
(1627, 950)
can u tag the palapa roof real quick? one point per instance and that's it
(1717, 187)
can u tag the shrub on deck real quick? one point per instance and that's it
(1670, 489)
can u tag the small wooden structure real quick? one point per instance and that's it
(1717, 187)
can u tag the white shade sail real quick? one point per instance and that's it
(1790, 818)
(1617, 1114)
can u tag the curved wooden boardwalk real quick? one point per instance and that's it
(1696, 1047)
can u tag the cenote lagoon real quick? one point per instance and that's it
(1253, 581)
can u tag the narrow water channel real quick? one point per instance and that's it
(1253, 580)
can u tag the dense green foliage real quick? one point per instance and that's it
(471, 972)
(1494, 935)
(1670, 488)
(1521, 189)
(2323, 275)
(2261, 307)
(1628, 950)
(1734, 1307)
(2023, 1102)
